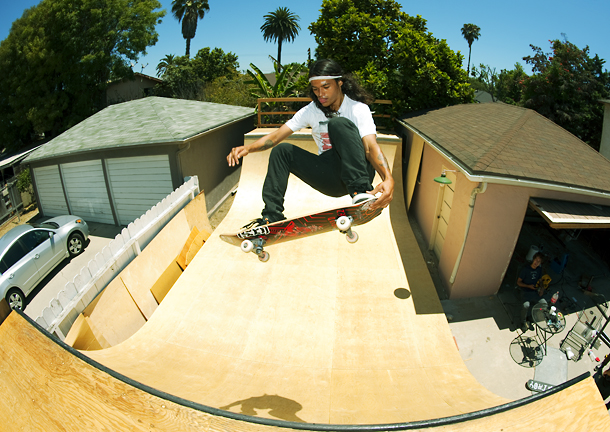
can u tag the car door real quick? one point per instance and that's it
(20, 269)
(41, 246)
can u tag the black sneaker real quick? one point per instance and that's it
(256, 223)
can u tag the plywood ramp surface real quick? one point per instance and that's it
(325, 332)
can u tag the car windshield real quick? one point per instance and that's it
(48, 225)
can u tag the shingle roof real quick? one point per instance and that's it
(505, 140)
(152, 120)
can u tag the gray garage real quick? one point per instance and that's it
(115, 165)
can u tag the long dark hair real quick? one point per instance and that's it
(351, 87)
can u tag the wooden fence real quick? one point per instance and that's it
(289, 109)
(58, 317)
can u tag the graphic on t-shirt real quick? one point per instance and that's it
(326, 145)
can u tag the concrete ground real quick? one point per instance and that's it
(486, 329)
(99, 236)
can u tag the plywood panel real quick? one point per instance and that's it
(317, 335)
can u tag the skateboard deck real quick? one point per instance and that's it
(339, 218)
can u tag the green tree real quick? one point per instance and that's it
(354, 32)
(290, 81)
(566, 86)
(392, 53)
(167, 61)
(509, 85)
(59, 57)
(281, 25)
(485, 79)
(286, 80)
(471, 33)
(24, 181)
(235, 91)
(185, 78)
(189, 12)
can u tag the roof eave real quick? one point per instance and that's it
(143, 144)
(505, 180)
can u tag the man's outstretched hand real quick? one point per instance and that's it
(236, 154)
(386, 188)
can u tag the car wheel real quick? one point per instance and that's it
(15, 299)
(76, 243)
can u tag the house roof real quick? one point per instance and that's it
(151, 120)
(15, 158)
(511, 142)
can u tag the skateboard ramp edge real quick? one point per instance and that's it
(47, 383)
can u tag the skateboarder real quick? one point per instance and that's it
(348, 153)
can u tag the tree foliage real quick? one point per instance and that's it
(484, 79)
(393, 53)
(184, 78)
(59, 57)
(509, 85)
(281, 25)
(167, 61)
(290, 81)
(286, 81)
(235, 91)
(188, 12)
(566, 86)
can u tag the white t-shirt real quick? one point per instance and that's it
(313, 117)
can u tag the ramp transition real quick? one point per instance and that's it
(325, 336)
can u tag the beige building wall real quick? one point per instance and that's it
(494, 229)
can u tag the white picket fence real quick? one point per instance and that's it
(62, 311)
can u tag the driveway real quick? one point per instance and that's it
(99, 236)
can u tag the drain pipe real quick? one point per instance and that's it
(473, 196)
(178, 161)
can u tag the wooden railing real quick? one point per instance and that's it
(290, 111)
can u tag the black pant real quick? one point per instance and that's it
(341, 170)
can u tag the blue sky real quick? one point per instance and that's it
(507, 28)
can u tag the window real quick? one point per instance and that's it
(12, 255)
(32, 239)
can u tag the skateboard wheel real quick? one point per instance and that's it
(264, 256)
(247, 246)
(352, 237)
(343, 223)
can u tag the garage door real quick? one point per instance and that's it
(50, 191)
(138, 183)
(86, 191)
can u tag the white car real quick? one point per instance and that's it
(30, 252)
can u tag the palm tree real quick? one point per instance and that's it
(280, 26)
(471, 33)
(189, 12)
(168, 60)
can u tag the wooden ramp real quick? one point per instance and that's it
(324, 336)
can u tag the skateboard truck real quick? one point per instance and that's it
(256, 246)
(344, 224)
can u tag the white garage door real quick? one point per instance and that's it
(138, 183)
(86, 191)
(50, 191)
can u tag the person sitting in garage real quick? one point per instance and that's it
(531, 289)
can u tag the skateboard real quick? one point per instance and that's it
(340, 218)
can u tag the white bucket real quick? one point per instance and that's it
(530, 255)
